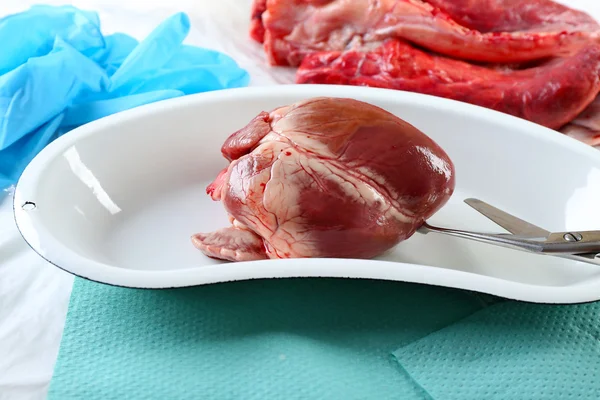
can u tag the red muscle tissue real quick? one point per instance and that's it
(535, 59)
(325, 177)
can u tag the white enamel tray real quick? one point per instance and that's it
(117, 200)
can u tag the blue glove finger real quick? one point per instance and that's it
(80, 114)
(189, 80)
(187, 56)
(32, 33)
(41, 88)
(154, 51)
(118, 47)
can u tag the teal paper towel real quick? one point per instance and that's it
(511, 351)
(264, 339)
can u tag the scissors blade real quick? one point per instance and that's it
(517, 226)
(509, 222)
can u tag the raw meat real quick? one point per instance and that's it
(535, 59)
(586, 127)
(325, 177)
(515, 15)
(257, 29)
(291, 29)
(550, 94)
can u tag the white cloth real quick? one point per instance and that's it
(34, 295)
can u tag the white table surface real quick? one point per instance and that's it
(34, 295)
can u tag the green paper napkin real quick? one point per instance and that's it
(511, 351)
(264, 339)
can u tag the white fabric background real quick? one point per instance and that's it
(34, 295)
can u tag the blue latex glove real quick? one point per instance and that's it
(57, 72)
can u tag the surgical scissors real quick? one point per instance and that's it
(581, 246)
